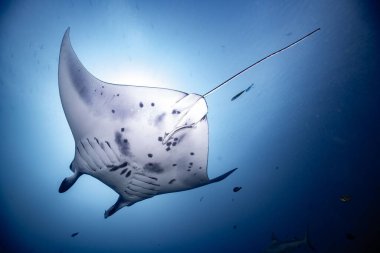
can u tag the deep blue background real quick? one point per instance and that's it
(307, 132)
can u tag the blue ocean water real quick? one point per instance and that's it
(303, 136)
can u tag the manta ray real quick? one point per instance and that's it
(139, 141)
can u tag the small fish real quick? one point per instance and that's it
(237, 188)
(241, 92)
(345, 198)
(74, 234)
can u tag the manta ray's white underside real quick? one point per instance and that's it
(140, 141)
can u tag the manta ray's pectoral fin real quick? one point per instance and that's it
(69, 181)
(120, 203)
(221, 177)
(191, 109)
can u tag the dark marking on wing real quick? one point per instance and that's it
(153, 168)
(123, 146)
(172, 181)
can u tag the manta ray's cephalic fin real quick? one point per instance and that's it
(69, 181)
(120, 203)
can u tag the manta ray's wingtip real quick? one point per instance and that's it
(221, 177)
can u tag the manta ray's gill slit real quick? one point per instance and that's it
(128, 174)
(114, 168)
(123, 171)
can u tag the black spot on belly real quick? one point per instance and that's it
(113, 111)
(168, 143)
(191, 153)
(174, 164)
(123, 144)
(141, 105)
(160, 138)
(150, 155)
(176, 139)
(122, 129)
(188, 169)
(117, 95)
(152, 104)
(174, 143)
(191, 164)
(159, 118)
(200, 168)
(171, 181)
(167, 149)
(153, 168)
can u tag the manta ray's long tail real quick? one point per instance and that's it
(266, 57)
